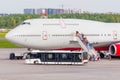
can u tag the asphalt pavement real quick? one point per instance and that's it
(94, 70)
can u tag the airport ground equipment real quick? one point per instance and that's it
(12, 56)
(58, 58)
(86, 46)
(17, 56)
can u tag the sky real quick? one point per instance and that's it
(100, 6)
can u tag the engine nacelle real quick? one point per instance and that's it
(114, 49)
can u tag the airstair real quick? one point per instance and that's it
(86, 46)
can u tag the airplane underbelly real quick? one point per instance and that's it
(47, 44)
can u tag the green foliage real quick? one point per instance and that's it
(97, 17)
(12, 21)
(2, 35)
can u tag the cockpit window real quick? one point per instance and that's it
(23, 23)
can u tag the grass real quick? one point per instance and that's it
(2, 35)
(5, 43)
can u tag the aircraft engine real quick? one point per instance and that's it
(114, 49)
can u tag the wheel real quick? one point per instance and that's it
(12, 56)
(36, 62)
(102, 55)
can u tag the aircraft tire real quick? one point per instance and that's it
(102, 55)
(12, 56)
(35, 62)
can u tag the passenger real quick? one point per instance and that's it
(82, 38)
(98, 57)
(93, 58)
(90, 57)
(79, 35)
(85, 41)
(109, 56)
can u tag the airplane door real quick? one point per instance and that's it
(44, 35)
(115, 36)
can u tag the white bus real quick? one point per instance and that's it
(56, 58)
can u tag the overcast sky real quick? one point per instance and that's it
(17, 6)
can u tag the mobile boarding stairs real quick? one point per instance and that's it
(87, 47)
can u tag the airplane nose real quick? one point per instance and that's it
(9, 36)
(14, 36)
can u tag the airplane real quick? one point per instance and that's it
(56, 34)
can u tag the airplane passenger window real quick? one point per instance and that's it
(23, 23)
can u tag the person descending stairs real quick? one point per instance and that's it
(86, 46)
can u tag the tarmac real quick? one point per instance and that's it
(94, 70)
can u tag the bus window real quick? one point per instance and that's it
(80, 56)
(64, 56)
(28, 57)
(50, 56)
(38, 55)
(33, 56)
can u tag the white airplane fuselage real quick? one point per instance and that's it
(50, 34)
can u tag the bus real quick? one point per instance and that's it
(57, 58)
